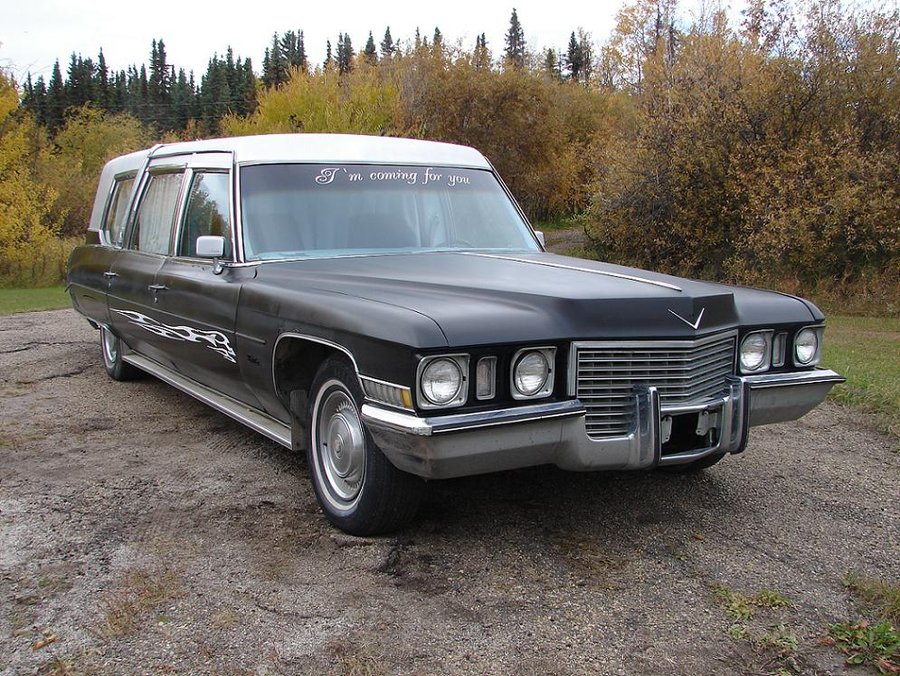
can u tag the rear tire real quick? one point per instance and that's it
(358, 488)
(111, 349)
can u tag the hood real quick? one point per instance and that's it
(478, 298)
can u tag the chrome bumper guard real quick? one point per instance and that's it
(554, 433)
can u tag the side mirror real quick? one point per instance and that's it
(540, 236)
(210, 246)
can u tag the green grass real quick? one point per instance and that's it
(865, 350)
(29, 300)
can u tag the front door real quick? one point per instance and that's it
(195, 294)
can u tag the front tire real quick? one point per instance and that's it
(358, 488)
(111, 349)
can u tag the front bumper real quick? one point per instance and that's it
(554, 433)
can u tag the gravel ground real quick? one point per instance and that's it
(142, 532)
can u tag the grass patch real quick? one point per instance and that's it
(30, 300)
(740, 606)
(872, 640)
(874, 597)
(864, 643)
(141, 594)
(864, 350)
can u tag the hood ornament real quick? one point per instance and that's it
(694, 325)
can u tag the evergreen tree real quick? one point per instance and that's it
(182, 102)
(101, 82)
(437, 42)
(56, 99)
(371, 52)
(329, 58)
(275, 64)
(159, 86)
(345, 53)
(79, 83)
(387, 45)
(417, 42)
(551, 64)
(481, 57)
(574, 58)
(515, 42)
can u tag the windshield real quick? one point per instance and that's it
(298, 210)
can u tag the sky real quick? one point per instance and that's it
(41, 31)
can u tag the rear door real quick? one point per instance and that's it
(134, 295)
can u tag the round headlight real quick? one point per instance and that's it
(531, 373)
(441, 381)
(754, 351)
(806, 347)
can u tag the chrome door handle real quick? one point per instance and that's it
(110, 274)
(157, 287)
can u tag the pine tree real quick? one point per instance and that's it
(574, 58)
(515, 42)
(56, 99)
(551, 64)
(371, 52)
(329, 58)
(387, 45)
(481, 57)
(302, 62)
(101, 82)
(345, 53)
(159, 86)
(275, 64)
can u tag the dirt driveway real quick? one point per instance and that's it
(143, 532)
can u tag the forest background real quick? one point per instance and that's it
(763, 151)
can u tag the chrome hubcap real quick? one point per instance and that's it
(341, 446)
(110, 346)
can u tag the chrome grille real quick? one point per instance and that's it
(682, 371)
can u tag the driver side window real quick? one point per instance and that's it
(207, 212)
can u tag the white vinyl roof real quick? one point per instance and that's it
(333, 148)
(316, 148)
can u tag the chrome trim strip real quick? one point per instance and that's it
(413, 424)
(605, 273)
(254, 419)
(819, 376)
(321, 341)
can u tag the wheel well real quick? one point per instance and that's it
(295, 363)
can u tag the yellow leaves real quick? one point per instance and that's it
(360, 102)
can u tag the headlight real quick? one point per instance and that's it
(756, 351)
(532, 374)
(442, 381)
(806, 347)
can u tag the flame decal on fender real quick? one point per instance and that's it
(215, 340)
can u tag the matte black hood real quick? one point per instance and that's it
(478, 298)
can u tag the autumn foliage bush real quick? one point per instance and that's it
(769, 153)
